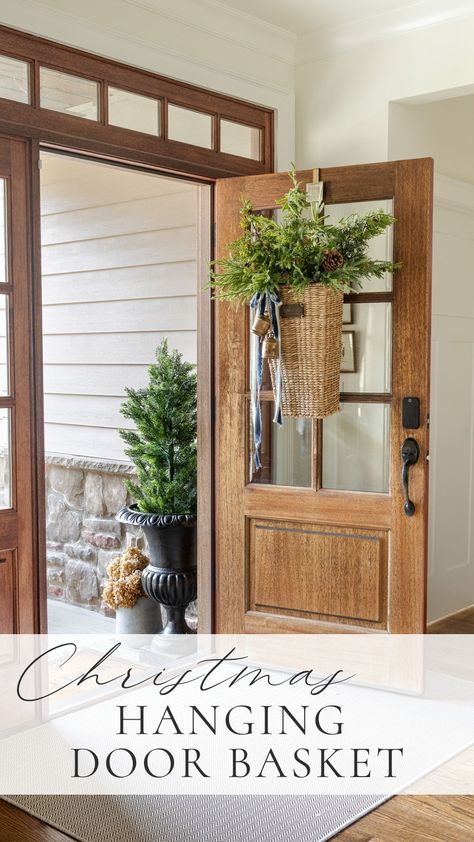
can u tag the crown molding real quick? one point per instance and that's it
(226, 23)
(52, 19)
(353, 34)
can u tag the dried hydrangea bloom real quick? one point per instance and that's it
(133, 552)
(108, 595)
(129, 566)
(135, 582)
(128, 590)
(113, 569)
(124, 595)
(135, 557)
(125, 579)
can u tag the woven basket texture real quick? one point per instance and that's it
(311, 347)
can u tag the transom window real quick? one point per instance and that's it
(47, 77)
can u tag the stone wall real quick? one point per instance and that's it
(82, 499)
(82, 536)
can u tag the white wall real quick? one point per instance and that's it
(119, 272)
(443, 129)
(196, 41)
(451, 559)
(342, 109)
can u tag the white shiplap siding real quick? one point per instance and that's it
(119, 252)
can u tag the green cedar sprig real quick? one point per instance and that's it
(290, 250)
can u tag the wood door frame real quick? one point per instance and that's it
(18, 538)
(365, 183)
(61, 133)
(206, 399)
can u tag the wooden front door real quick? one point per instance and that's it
(318, 540)
(18, 499)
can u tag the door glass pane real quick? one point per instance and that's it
(14, 82)
(69, 94)
(380, 248)
(133, 111)
(286, 451)
(237, 139)
(367, 344)
(5, 462)
(356, 448)
(189, 126)
(3, 233)
(4, 362)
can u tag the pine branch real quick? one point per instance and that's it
(162, 444)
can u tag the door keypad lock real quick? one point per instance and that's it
(411, 413)
(410, 454)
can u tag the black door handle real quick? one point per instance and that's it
(410, 454)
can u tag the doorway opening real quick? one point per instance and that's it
(441, 126)
(121, 251)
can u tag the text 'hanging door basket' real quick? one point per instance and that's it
(311, 347)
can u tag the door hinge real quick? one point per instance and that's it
(428, 420)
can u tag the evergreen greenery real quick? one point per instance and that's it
(163, 444)
(295, 252)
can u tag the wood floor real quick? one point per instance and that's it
(420, 818)
(460, 623)
(405, 818)
(17, 826)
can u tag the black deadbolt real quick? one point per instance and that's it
(410, 454)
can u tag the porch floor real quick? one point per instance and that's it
(64, 618)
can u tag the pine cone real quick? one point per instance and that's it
(333, 260)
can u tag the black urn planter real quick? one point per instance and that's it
(171, 577)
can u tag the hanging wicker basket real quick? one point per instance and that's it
(311, 346)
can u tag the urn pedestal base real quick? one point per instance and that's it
(174, 590)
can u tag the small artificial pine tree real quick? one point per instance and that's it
(163, 444)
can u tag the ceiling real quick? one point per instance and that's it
(303, 16)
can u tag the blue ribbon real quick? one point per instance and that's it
(260, 302)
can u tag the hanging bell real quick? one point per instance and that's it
(261, 325)
(271, 348)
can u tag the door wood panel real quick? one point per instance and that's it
(313, 570)
(306, 570)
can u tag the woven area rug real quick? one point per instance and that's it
(196, 818)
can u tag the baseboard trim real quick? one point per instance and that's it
(445, 617)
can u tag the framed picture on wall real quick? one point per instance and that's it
(347, 313)
(348, 361)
